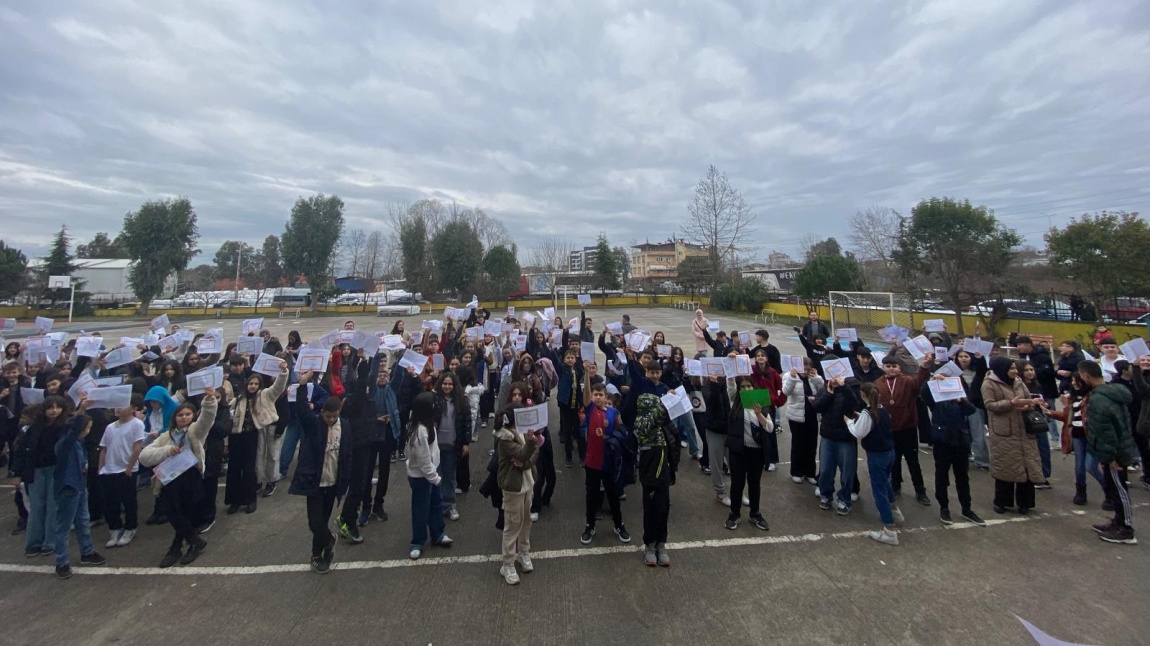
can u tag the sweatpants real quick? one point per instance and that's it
(268, 455)
(241, 484)
(119, 491)
(716, 448)
(1116, 488)
(516, 525)
(948, 457)
(595, 478)
(804, 448)
(319, 506)
(657, 512)
(746, 470)
(906, 448)
(545, 467)
(1006, 494)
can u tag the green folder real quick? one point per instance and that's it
(751, 397)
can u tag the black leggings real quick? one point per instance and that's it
(746, 469)
(656, 513)
(241, 484)
(545, 483)
(804, 449)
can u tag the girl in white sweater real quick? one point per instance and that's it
(423, 476)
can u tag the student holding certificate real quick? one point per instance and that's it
(178, 459)
(253, 413)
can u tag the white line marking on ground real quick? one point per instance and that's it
(495, 558)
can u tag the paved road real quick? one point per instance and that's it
(814, 578)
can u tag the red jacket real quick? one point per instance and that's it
(770, 381)
(903, 405)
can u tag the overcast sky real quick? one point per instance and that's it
(569, 117)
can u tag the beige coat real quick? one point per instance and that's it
(1013, 453)
(264, 412)
(157, 451)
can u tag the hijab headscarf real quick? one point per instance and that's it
(1001, 366)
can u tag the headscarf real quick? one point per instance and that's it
(1001, 366)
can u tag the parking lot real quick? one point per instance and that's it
(814, 578)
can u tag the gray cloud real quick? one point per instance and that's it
(569, 117)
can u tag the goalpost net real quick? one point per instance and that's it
(868, 312)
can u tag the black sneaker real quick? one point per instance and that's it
(64, 571)
(1108, 526)
(621, 532)
(588, 534)
(922, 499)
(1045, 484)
(233, 509)
(973, 518)
(21, 526)
(206, 527)
(944, 516)
(251, 508)
(269, 489)
(706, 470)
(92, 559)
(391, 459)
(402, 455)
(569, 464)
(824, 503)
(329, 550)
(1107, 505)
(318, 565)
(194, 550)
(378, 512)
(732, 521)
(758, 521)
(156, 519)
(170, 558)
(1120, 534)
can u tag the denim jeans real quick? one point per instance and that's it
(977, 422)
(287, 451)
(41, 532)
(1055, 427)
(447, 459)
(843, 456)
(72, 512)
(878, 468)
(686, 427)
(426, 511)
(1043, 440)
(1084, 463)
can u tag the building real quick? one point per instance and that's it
(106, 280)
(660, 261)
(583, 260)
(776, 280)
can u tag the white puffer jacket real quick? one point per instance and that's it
(796, 408)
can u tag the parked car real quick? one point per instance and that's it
(1020, 309)
(233, 302)
(1141, 320)
(1124, 309)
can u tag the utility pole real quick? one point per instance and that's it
(236, 285)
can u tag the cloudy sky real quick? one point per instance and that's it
(569, 116)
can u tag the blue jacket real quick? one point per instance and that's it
(563, 394)
(386, 403)
(71, 458)
(167, 404)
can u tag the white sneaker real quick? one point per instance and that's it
(534, 517)
(375, 481)
(525, 562)
(885, 536)
(813, 481)
(453, 513)
(854, 497)
(415, 553)
(114, 538)
(723, 499)
(796, 480)
(127, 537)
(746, 501)
(509, 575)
(817, 494)
(772, 467)
(898, 517)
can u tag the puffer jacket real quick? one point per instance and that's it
(796, 409)
(1108, 420)
(157, 451)
(514, 446)
(264, 410)
(1013, 454)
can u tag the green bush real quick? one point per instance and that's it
(743, 296)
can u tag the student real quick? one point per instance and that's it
(816, 349)
(119, 461)
(423, 462)
(253, 411)
(516, 477)
(388, 436)
(658, 460)
(1015, 466)
(1109, 441)
(866, 370)
(747, 429)
(763, 344)
(569, 398)
(182, 495)
(205, 516)
(878, 442)
(453, 434)
(800, 390)
(764, 377)
(72, 494)
(1029, 377)
(322, 473)
(35, 464)
(837, 449)
(317, 395)
(603, 454)
(362, 432)
(158, 409)
(899, 394)
(951, 441)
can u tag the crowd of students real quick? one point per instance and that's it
(78, 466)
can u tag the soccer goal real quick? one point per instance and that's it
(868, 312)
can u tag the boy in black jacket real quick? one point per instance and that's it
(950, 434)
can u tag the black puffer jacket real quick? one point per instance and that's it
(834, 408)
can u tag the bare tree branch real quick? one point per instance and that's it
(719, 219)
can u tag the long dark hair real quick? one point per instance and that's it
(395, 327)
(41, 420)
(422, 413)
(177, 382)
(870, 399)
(457, 399)
(294, 340)
(737, 402)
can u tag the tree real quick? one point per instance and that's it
(102, 247)
(457, 253)
(819, 248)
(416, 263)
(962, 246)
(269, 270)
(623, 262)
(551, 257)
(607, 269)
(874, 238)
(694, 273)
(719, 219)
(229, 253)
(58, 262)
(352, 247)
(13, 271)
(501, 269)
(1104, 254)
(197, 283)
(828, 272)
(160, 239)
(309, 239)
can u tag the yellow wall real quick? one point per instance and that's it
(14, 312)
